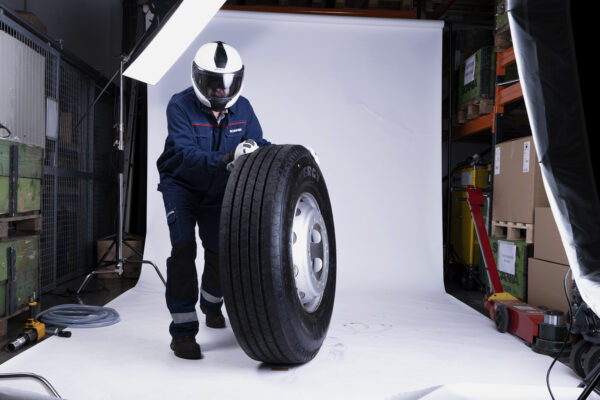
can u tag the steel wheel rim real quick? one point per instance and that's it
(310, 252)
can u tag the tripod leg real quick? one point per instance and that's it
(157, 271)
(85, 281)
(118, 270)
(148, 262)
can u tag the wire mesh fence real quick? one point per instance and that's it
(48, 97)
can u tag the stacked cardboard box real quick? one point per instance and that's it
(132, 245)
(518, 186)
(518, 190)
(548, 267)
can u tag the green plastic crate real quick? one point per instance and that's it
(481, 66)
(515, 284)
(29, 177)
(30, 161)
(27, 270)
(501, 15)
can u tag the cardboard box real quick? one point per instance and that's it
(512, 258)
(518, 187)
(129, 270)
(548, 245)
(65, 132)
(545, 286)
(33, 20)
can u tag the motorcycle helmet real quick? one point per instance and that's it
(217, 75)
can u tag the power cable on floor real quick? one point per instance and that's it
(566, 338)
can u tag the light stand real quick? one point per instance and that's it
(120, 261)
(151, 57)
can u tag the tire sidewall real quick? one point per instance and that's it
(304, 176)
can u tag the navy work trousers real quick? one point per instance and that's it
(184, 211)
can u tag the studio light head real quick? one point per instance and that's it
(177, 26)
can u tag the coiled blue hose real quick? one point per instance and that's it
(79, 316)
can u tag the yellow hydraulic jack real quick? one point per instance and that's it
(34, 330)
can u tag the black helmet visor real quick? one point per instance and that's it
(215, 85)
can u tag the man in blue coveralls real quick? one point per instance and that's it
(207, 122)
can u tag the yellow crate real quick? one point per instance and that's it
(463, 237)
(471, 176)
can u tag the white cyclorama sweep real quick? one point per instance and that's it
(174, 37)
(366, 95)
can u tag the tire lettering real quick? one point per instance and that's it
(309, 171)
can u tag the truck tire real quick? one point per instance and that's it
(277, 254)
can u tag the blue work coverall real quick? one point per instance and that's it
(192, 181)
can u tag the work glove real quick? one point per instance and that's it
(313, 153)
(245, 147)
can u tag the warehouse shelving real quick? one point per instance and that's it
(490, 127)
(503, 97)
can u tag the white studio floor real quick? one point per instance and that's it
(410, 347)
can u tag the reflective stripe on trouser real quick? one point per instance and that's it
(211, 296)
(182, 290)
(208, 300)
(182, 318)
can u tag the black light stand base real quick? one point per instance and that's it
(591, 381)
(119, 270)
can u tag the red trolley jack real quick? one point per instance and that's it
(543, 329)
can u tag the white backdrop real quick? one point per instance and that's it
(366, 95)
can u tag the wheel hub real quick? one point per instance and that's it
(310, 252)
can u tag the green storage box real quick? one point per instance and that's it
(477, 76)
(29, 170)
(514, 258)
(4, 176)
(501, 15)
(26, 250)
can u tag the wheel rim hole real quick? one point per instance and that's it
(294, 237)
(295, 270)
(315, 236)
(298, 211)
(317, 266)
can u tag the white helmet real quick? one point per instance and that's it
(217, 75)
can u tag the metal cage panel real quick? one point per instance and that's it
(47, 100)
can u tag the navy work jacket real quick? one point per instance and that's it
(196, 144)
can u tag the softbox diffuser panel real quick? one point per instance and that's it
(542, 35)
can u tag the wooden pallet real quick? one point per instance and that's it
(512, 231)
(475, 109)
(502, 39)
(24, 223)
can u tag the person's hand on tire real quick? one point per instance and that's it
(245, 147)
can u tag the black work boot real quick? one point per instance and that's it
(214, 318)
(186, 347)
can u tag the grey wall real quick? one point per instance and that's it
(90, 29)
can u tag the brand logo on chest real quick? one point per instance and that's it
(235, 130)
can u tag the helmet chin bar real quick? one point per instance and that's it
(219, 104)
